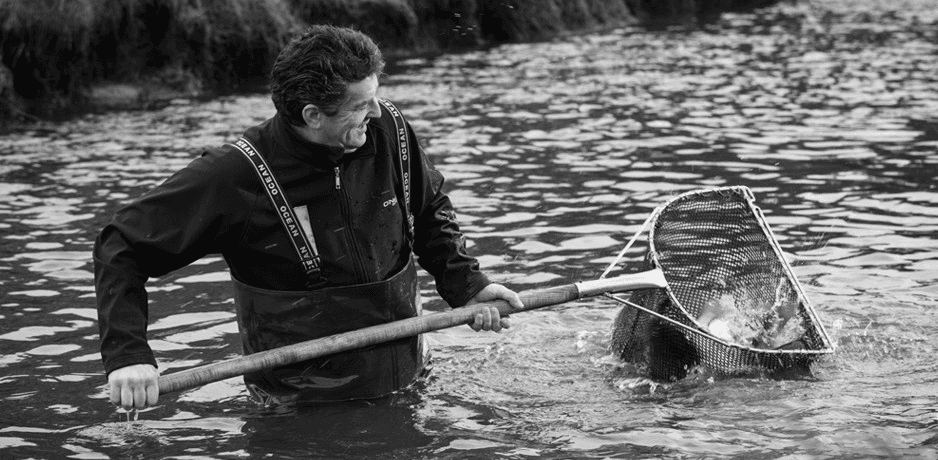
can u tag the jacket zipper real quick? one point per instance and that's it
(344, 205)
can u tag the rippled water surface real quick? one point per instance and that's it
(555, 154)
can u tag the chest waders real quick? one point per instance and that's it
(269, 319)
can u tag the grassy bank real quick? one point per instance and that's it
(63, 56)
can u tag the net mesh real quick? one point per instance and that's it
(732, 302)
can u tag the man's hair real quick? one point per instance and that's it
(317, 67)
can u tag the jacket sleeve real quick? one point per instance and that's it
(439, 244)
(167, 228)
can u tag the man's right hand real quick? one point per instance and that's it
(135, 386)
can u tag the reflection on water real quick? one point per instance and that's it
(555, 154)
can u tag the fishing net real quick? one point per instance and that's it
(732, 302)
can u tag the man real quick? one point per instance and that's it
(318, 212)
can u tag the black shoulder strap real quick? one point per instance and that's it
(404, 150)
(305, 247)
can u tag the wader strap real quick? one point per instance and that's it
(403, 145)
(305, 247)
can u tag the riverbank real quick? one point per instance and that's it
(60, 57)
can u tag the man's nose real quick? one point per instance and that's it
(374, 108)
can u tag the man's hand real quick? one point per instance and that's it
(490, 319)
(135, 386)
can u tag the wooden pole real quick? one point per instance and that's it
(533, 299)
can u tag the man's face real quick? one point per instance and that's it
(348, 127)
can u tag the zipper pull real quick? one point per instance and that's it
(338, 182)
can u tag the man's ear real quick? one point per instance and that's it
(312, 116)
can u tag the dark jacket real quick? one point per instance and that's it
(217, 205)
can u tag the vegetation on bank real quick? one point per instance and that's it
(62, 56)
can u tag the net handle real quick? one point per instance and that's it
(372, 335)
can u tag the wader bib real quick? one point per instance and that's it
(269, 319)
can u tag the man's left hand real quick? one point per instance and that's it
(489, 319)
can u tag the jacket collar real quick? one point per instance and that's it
(302, 149)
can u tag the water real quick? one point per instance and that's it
(555, 154)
